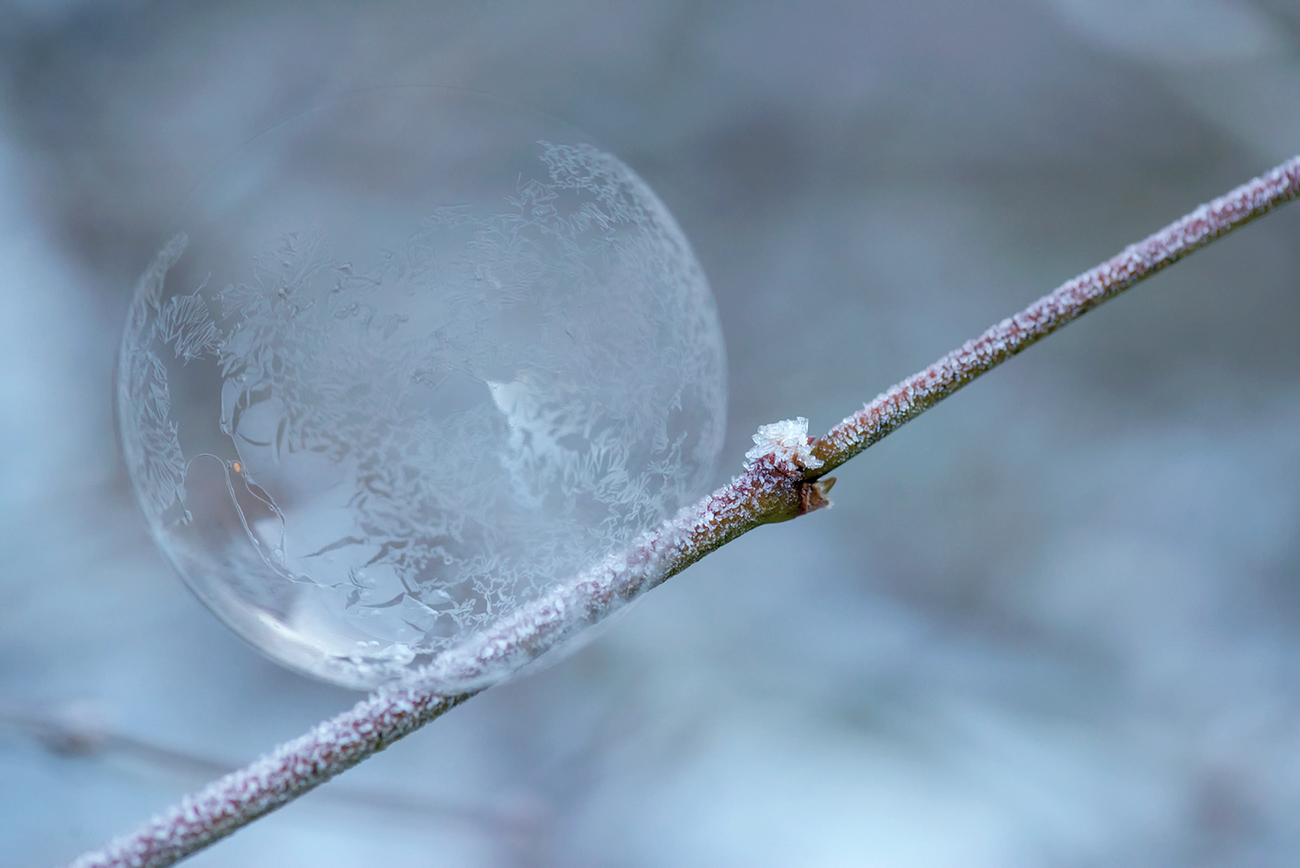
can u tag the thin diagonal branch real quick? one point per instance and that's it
(1068, 302)
(780, 482)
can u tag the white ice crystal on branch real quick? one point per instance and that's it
(786, 444)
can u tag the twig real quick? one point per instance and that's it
(1068, 302)
(783, 478)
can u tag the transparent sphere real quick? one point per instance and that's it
(408, 362)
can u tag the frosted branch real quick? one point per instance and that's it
(780, 481)
(1068, 302)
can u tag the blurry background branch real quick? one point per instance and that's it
(77, 733)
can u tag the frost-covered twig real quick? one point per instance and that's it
(1068, 302)
(782, 479)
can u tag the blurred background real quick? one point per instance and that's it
(1051, 623)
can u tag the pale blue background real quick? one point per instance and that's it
(1052, 623)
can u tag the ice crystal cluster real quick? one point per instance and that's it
(786, 444)
(407, 362)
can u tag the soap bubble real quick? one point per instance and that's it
(409, 361)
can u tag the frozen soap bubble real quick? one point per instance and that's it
(408, 362)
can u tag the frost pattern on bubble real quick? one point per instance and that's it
(381, 457)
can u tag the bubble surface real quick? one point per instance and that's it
(409, 361)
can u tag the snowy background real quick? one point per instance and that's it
(1053, 622)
